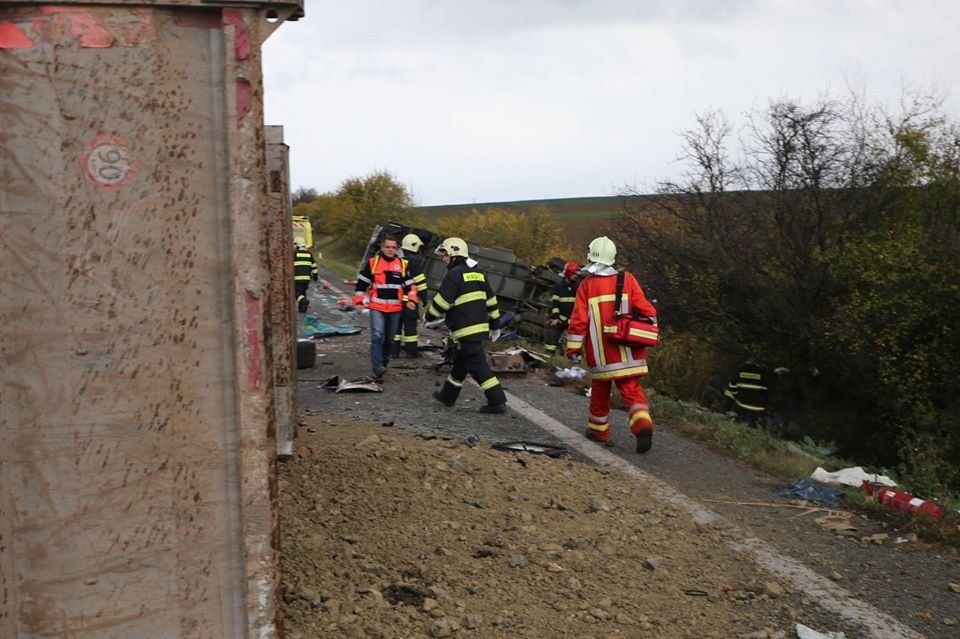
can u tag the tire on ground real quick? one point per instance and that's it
(306, 353)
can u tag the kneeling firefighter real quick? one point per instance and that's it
(471, 313)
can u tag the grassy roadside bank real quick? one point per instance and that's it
(760, 449)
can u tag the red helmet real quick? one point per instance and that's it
(570, 269)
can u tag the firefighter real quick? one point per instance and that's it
(407, 337)
(470, 309)
(610, 363)
(564, 294)
(749, 393)
(385, 287)
(304, 269)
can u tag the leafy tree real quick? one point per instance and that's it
(828, 244)
(533, 235)
(365, 202)
(304, 195)
(327, 212)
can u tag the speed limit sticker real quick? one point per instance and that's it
(107, 162)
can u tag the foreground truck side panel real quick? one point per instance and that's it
(282, 321)
(136, 416)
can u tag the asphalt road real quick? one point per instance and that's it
(906, 583)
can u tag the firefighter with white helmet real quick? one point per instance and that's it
(602, 250)
(411, 242)
(407, 338)
(471, 313)
(452, 246)
(610, 363)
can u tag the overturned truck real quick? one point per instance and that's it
(519, 286)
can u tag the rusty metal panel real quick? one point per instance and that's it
(137, 486)
(283, 309)
(282, 9)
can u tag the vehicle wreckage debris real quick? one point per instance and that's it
(530, 447)
(359, 385)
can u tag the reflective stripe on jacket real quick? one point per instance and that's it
(749, 392)
(415, 270)
(592, 310)
(304, 266)
(564, 295)
(467, 302)
(383, 284)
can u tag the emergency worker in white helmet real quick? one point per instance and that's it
(610, 363)
(407, 338)
(470, 311)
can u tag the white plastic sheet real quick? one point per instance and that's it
(850, 477)
(803, 632)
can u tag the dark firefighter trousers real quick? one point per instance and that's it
(554, 331)
(300, 289)
(407, 337)
(470, 358)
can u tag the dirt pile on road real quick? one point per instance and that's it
(386, 534)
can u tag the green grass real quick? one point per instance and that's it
(757, 448)
(340, 261)
(764, 451)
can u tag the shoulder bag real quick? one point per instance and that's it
(633, 329)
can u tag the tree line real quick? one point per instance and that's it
(361, 203)
(823, 238)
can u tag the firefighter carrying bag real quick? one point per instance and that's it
(633, 329)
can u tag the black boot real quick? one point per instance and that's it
(437, 396)
(496, 409)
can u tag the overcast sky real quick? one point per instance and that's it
(493, 100)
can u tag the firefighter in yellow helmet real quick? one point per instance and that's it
(472, 315)
(304, 270)
(610, 363)
(407, 337)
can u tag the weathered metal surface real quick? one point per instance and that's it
(283, 309)
(282, 9)
(137, 490)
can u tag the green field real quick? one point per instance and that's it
(582, 216)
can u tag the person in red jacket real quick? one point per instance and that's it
(385, 287)
(610, 363)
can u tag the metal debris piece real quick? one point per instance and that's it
(507, 363)
(359, 385)
(529, 447)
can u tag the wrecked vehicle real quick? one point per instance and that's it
(521, 288)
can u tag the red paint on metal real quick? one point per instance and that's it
(92, 28)
(138, 31)
(253, 319)
(12, 37)
(241, 36)
(82, 25)
(244, 99)
(77, 23)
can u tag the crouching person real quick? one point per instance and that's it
(470, 309)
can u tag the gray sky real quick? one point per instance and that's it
(491, 100)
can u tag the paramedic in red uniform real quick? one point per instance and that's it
(610, 363)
